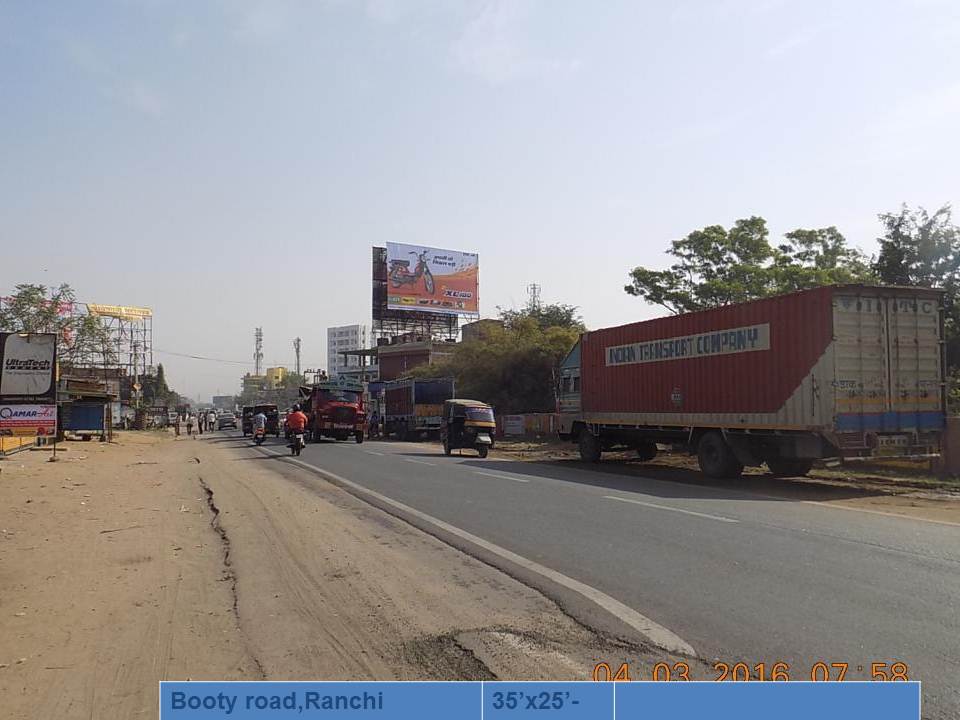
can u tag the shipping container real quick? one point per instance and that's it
(835, 371)
(414, 408)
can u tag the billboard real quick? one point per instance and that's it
(28, 420)
(122, 312)
(431, 280)
(27, 367)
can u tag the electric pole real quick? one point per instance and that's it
(296, 349)
(533, 290)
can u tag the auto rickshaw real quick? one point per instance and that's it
(246, 420)
(467, 424)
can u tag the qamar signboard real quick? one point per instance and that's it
(27, 367)
(28, 420)
(428, 279)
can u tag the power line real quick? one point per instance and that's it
(201, 357)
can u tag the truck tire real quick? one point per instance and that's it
(646, 451)
(716, 458)
(789, 467)
(589, 446)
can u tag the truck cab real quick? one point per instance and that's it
(335, 409)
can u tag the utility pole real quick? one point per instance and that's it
(296, 349)
(258, 351)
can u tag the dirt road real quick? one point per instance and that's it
(154, 558)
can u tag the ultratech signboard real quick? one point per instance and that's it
(27, 367)
(28, 420)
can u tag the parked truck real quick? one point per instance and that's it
(334, 409)
(837, 371)
(414, 408)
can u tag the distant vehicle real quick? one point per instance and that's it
(246, 419)
(837, 371)
(226, 420)
(273, 417)
(414, 408)
(467, 424)
(334, 409)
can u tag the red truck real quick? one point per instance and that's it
(334, 409)
(837, 371)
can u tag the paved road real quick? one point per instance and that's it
(739, 576)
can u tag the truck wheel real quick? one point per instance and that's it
(789, 467)
(716, 458)
(646, 451)
(359, 436)
(589, 446)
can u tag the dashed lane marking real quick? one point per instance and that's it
(671, 509)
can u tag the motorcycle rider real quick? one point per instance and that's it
(296, 421)
(259, 423)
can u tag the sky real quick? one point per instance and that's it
(230, 163)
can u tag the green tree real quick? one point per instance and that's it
(512, 366)
(715, 266)
(546, 316)
(81, 339)
(923, 249)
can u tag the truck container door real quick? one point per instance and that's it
(915, 364)
(862, 384)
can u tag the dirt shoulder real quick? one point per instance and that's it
(112, 580)
(153, 558)
(331, 587)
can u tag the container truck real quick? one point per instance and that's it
(414, 408)
(837, 371)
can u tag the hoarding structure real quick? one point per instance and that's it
(390, 322)
(432, 280)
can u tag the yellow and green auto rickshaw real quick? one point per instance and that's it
(467, 424)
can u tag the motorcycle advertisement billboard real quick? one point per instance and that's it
(27, 367)
(429, 279)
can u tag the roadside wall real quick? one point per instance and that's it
(12, 444)
(528, 425)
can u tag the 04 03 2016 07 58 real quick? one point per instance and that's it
(821, 671)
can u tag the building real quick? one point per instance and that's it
(275, 377)
(254, 383)
(403, 353)
(346, 337)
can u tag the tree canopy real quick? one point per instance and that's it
(39, 309)
(718, 266)
(513, 366)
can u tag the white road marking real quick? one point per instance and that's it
(501, 477)
(672, 509)
(373, 452)
(878, 512)
(654, 632)
(418, 462)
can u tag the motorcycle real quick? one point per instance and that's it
(258, 435)
(297, 442)
(400, 272)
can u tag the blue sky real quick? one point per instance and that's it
(175, 154)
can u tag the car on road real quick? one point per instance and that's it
(226, 420)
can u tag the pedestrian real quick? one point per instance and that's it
(211, 421)
(176, 425)
(201, 420)
(190, 424)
